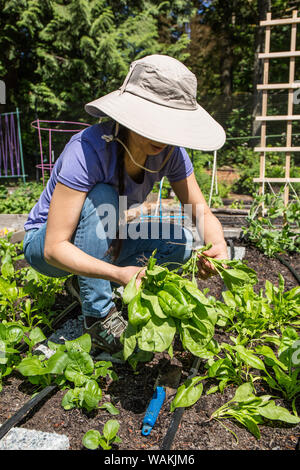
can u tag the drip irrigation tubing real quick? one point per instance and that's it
(288, 265)
(22, 412)
(178, 413)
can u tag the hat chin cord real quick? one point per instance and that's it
(110, 138)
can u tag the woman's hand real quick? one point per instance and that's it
(205, 268)
(127, 273)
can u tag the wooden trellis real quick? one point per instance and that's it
(288, 149)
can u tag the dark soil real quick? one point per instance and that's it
(133, 391)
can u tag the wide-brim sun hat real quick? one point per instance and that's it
(158, 100)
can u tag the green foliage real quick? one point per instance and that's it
(203, 161)
(234, 367)
(26, 296)
(87, 46)
(251, 410)
(250, 314)
(59, 55)
(247, 162)
(12, 335)
(167, 302)
(262, 230)
(71, 363)
(21, 200)
(93, 439)
(238, 275)
(282, 371)
(187, 394)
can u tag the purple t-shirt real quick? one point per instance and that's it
(87, 159)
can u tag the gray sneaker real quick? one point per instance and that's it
(105, 333)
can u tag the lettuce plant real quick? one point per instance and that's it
(71, 363)
(251, 410)
(168, 303)
(12, 336)
(93, 439)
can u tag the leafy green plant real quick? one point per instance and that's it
(251, 410)
(245, 160)
(262, 231)
(236, 204)
(166, 303)
(187, 394)
(250, 314)
(12, 335)
(234, 367)
(282, 372)
(233, 272)
(71, 363)
(14, 250)
(201, 163)
(22, 199)
(93, 439)
(25, 295)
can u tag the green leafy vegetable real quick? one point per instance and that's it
(93, 439)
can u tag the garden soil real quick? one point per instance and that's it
(132, 392)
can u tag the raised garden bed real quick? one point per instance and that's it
(133, 391)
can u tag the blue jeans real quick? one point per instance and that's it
(92, 238)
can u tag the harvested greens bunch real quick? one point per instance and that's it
(167, 303)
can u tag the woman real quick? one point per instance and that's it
(154, 115)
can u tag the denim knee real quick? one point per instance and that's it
(100, 194)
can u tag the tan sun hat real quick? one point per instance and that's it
(158, 100)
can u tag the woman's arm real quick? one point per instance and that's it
(64, 212)
(208, 225)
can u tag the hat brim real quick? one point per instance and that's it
(194, 129)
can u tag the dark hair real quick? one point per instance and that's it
(123, 136)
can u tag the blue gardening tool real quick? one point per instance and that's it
(153, 410)
(164, 385)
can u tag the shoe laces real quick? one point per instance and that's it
(115, 323)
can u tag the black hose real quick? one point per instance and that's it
(178, 413)
(232, 250)
(29, 405)
(293, 270)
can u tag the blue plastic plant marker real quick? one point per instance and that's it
(153, 410)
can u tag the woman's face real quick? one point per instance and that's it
(147, 146)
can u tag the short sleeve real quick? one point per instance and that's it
(180, 165)
(80, 167)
